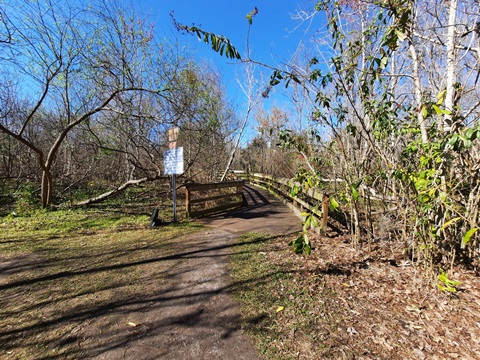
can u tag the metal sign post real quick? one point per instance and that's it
(174, 193)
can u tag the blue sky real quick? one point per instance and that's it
(274, 35)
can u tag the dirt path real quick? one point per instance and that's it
(192, 315)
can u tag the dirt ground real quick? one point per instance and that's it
(382, 305)
(192, 316)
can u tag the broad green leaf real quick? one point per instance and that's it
(354, 193)
(471, 134)
(354, 188)
(424, 111)
(437, 110)
(441, 97)
(308, 249)
(453, 141)
(400, 35)
(308, 221)
(306, 239)
(384, 62)
(334, 204)
(467, 236)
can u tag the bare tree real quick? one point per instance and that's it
(249, 84)
(77, 61)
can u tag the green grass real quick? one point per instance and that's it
(283, 310)
(57, 268)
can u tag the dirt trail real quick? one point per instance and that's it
(192, 316)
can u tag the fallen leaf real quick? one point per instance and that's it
(419, 354)
(413, 308)
(352, 331)
(132, 324)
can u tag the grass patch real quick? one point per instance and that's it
(58, 269)
(284, 309)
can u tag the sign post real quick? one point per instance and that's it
(173, 163)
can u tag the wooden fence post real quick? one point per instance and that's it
(325, 206)
(188, 205)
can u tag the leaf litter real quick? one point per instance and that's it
(363, 303)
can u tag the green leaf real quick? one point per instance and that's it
(384, 62)
(308, 249)
(467, 236)
(450, 222)
(424, 111)
(471, 134)
(437, 110)
(334, 204)
(400, 35)
(453, 140)
(354, 193)
(441, 97)
(294, 191)
(308, 221)
(354, 189)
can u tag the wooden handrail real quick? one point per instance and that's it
(195, 187)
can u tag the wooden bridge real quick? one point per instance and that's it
(243, 200)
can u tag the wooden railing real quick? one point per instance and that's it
(314, 201)
(221, 202)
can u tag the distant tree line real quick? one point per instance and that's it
(88, 92)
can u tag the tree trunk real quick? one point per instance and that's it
(235, 147)
(451, 76)
(116, 191)
(418, 93)
(47, 188)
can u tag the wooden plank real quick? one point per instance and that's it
(215, 209)
(217, 197)
(283, 181)
(315, 193)
(303, 203)
(218, 185)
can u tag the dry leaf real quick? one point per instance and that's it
(413, 308)
(352, 331)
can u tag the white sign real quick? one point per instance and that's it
(173, 161)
